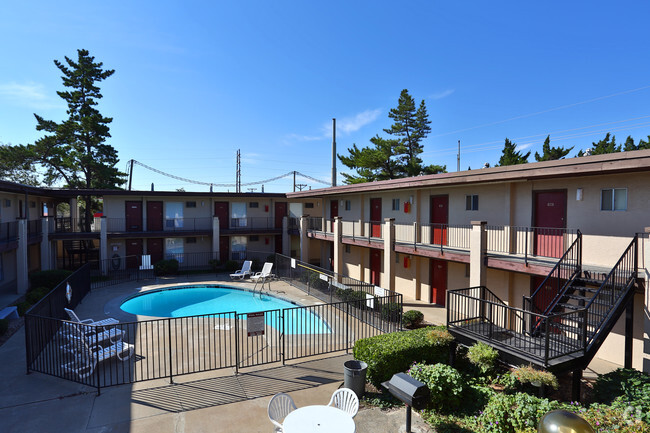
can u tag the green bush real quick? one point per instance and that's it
(347, 295)
(392, 353)
(35, 295)
(4, 326)
(412, 318)
(483, 357)
(232, 266)
(49, 279)
(391, 311)
(530, 375)
(506, 413)
(445, 384)
(166, 267)
(23, 307)
(618, 383)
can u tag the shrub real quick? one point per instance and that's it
(412, 318)
(347, 295)
(23, 307)
(35, 295)
(392, 353)
(166, 267)
(506, 413)
(4, 326)
(231, 266)
(49, 279)
(391, 311)
(483, 357)
(617, 383)
(444, 382)
(214, 264)
(530, 375)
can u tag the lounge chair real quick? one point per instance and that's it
(146, 263)
(243, 272)
(86, 357)
(346, 400)
(264, 274)
(90, 334)
(104, 322)
(279, 407)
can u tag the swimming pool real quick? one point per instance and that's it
(184, 301)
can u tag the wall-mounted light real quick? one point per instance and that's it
(579, 194)
(411, 199)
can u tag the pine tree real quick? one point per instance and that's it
(629, 144)
(606, 145)
(551, 153)
(510, 156)
(74, 151)
(395, 157)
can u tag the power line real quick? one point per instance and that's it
(197, 182)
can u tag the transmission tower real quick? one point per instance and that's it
(238, 175)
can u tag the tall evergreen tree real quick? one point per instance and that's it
(606, 145)
(395, 157)
(74, 151)
(629, 144)
(644, 144)
(510, 156)
(551, 153)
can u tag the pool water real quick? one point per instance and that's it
(186, 301)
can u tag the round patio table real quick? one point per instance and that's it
(318, 419)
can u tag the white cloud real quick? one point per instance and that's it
(353, 124)
(442, 94)
(30, 95)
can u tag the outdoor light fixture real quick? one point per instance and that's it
(579, 194)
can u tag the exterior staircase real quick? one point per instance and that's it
(561, 325)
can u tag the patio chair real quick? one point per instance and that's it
(264, 273)
(104, 322)
(86, 357)
(146, 263)
(92, 335)
(243, 272)
(280, 406)
(346, 400)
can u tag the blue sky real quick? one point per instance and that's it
(195, 81)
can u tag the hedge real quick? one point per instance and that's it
(392, 353)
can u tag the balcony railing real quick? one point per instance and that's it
(8, 231)
(254, 223)
(77, 225)
(168, 225)
(529, 241)
(34, 228)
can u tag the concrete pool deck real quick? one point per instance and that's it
(215, 401)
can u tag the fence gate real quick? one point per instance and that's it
(259, 338)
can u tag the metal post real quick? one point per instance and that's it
(169, 334)
(347, 325)
(236, 345)
(408, 419)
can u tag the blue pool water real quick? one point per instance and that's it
(199, 300)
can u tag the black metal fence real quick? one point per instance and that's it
(128, 352)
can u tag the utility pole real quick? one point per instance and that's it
(238, 173)
(301, 186)
(294, 181)
(458, 167)
(130, 175)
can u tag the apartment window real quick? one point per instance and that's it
(348, 205)
(174, 249)
(174, 215)
(253, 204)
(254, 238)
(190, 204)
(395, 204)
(7, 203)
(613, 199)
(348, 248)
(191, 240)
(238, 214)
(309, 205)
(471, 202)
(238, 247)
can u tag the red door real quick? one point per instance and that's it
(133, 253)
(221, 211)
(133, 215)
(280, 213)
(549, 223)
(438, 281)
(154, 216)
(224, 248)
(375, 217)
(439, 218)
(155, 249)
(334, 212)
(375, 267)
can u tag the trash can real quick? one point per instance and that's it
(355, 376)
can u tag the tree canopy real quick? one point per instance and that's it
(510, 155)
(551, 153)
(73, 152)
(606, 145)
(395, 157)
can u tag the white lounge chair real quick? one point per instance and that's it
(146, 263)
(279, 407)
(264, 274)
(243, 272)
(104, 322)
(86, 357)
(346, 400)
(90, 334)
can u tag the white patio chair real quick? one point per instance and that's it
(86, 357)
(108, 321)
(264, 273)
(346, 400)
(280, 406)
(243, 272)
(146, 263)
(91, 335)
